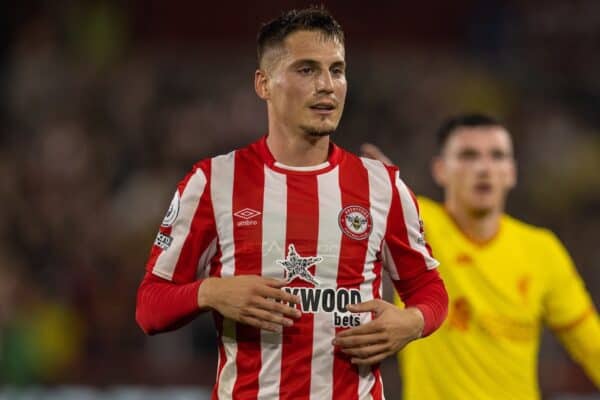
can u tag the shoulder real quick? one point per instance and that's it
(531, 234)
(430, 209)
(220, 163)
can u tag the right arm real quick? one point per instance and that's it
(173, 293)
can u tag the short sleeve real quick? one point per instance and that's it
(405, 252)
(566, 300)
(186, 240)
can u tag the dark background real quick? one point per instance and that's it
(105, 105)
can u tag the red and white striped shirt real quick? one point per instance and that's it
(328, 230)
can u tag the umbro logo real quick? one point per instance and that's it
(247, 214)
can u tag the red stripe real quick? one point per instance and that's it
(248, 188)
(377, 391)
(302, 231)
(222, 355)
(354, 185)
(215, 271)
(202, 233)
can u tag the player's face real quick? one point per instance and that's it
(307, 85)
(477, 169)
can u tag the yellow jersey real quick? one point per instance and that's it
(500, 294)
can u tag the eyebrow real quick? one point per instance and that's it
(314, 63)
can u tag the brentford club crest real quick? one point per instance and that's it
(355, 222)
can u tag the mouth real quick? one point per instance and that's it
(483, 188)
(323, 108)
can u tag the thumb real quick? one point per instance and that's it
(371, 305)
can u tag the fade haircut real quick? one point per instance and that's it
(470, 120)
(315, 18)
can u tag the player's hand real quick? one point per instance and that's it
(390, 330)
(369, 150)
(251, 300)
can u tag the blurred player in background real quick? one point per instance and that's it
(285, 240)
(504, 278)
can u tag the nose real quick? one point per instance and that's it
(324, 82)
(483, 165)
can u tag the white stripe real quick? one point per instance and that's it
(303, 169)
(221, 191)
(329, 244)
(274, 229)
(380, 199)
(190, 198)
(203, 270)
(388, 262)
(229, 371)
(413, 227)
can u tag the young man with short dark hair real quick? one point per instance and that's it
(285, 240)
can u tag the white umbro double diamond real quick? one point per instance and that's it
(247, 213)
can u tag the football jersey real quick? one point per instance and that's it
(500, 294)
(327, 230)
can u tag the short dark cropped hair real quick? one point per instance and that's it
(470, 120)
(315, 18)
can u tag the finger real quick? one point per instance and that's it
(365, 329)
(275, 307)
(369, 361)
(276, 283)
(260, 324)
(367, 306)
(371, 151)
(367, 351)
(360, 340)
(268, 316)
(278, 294)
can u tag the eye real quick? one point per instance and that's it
(338, 71)
(468, 155)
(500, 155)
(305, 70)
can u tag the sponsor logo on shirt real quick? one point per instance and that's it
(314, 300)
(172, 212)
(297, 266)
(247, 215)
(355, 222)
(163, 241)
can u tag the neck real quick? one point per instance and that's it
(478, 227)
(298, 150)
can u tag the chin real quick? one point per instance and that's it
(318, 131)
(481, 210)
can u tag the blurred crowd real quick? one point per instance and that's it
(97, 128)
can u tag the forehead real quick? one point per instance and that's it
(481, 138)
(313, 45)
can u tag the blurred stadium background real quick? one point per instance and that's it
(105, 105)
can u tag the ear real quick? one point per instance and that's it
(261, 86)
(438, 170)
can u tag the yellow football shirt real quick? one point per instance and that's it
(500, 295)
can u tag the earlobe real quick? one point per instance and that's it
(261, 86)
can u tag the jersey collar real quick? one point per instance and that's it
(333, 159)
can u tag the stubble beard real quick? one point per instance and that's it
(316, 132)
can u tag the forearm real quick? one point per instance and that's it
(427, 293)
(164, 306)
(582, 340)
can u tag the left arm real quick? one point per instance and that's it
(409, 261)
(569, 311)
